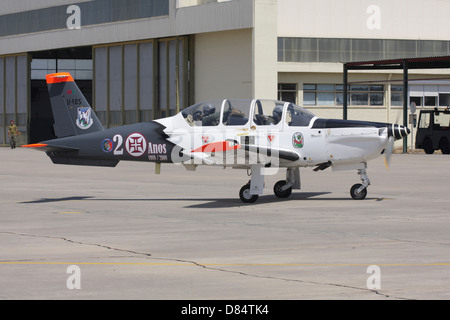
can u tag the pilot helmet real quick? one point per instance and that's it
(277, 111)
(208, 109)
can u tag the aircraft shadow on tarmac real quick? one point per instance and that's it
(48, 200)
(210, 202)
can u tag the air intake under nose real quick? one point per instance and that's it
(398, 131)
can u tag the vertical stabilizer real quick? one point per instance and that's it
(72, 113)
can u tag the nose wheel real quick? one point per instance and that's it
(359, 191)
(356, 194)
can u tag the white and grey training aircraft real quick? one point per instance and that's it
(258, 135)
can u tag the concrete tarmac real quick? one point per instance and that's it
(73, 232)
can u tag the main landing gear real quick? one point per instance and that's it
(250, 192)
(246, 195)
(359, 191)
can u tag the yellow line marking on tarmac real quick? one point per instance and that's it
(225, 264)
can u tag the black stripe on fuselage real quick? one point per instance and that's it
(337, 123)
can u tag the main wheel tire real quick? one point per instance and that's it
(428, 146)
(245, 195)
(358, 196)
(277, 189)
(444, 146)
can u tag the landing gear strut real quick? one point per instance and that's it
(359, 190)
(250, 192)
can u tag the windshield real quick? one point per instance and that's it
(441, 120)
(298, 116)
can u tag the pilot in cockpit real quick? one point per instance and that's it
(210, 116)
(197, 115)
(276, 116)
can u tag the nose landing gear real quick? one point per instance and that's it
(359, 191)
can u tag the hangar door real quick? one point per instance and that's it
(140, 81)
(14, 96)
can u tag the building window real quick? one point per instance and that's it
(76, 61)
(430, 101)
(332, 95)
(322, 94)
(80, 69)
(326, 94)
(396, 96)
(416, 100)
(340, 95)
(366, 95)
(339, 50)
(444, 100)
(287, 92)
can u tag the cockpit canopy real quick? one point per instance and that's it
(246, 112)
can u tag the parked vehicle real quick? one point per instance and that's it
(433, 132)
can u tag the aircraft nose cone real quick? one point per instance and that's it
(398, 131)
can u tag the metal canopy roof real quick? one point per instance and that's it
(440, 62)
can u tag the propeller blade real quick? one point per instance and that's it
(388, 151)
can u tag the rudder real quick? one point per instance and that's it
(72, 113)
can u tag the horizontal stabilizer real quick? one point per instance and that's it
(67, 155)
(84, 161)
(48, 148)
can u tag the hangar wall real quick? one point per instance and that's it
(223, 65)
(364, 19)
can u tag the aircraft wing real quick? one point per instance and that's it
(241, 155)
(272, 152)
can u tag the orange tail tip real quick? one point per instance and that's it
(35, 145)
(58, 77)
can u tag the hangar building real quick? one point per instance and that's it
(138, 60)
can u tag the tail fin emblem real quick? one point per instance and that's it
(84, 118)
